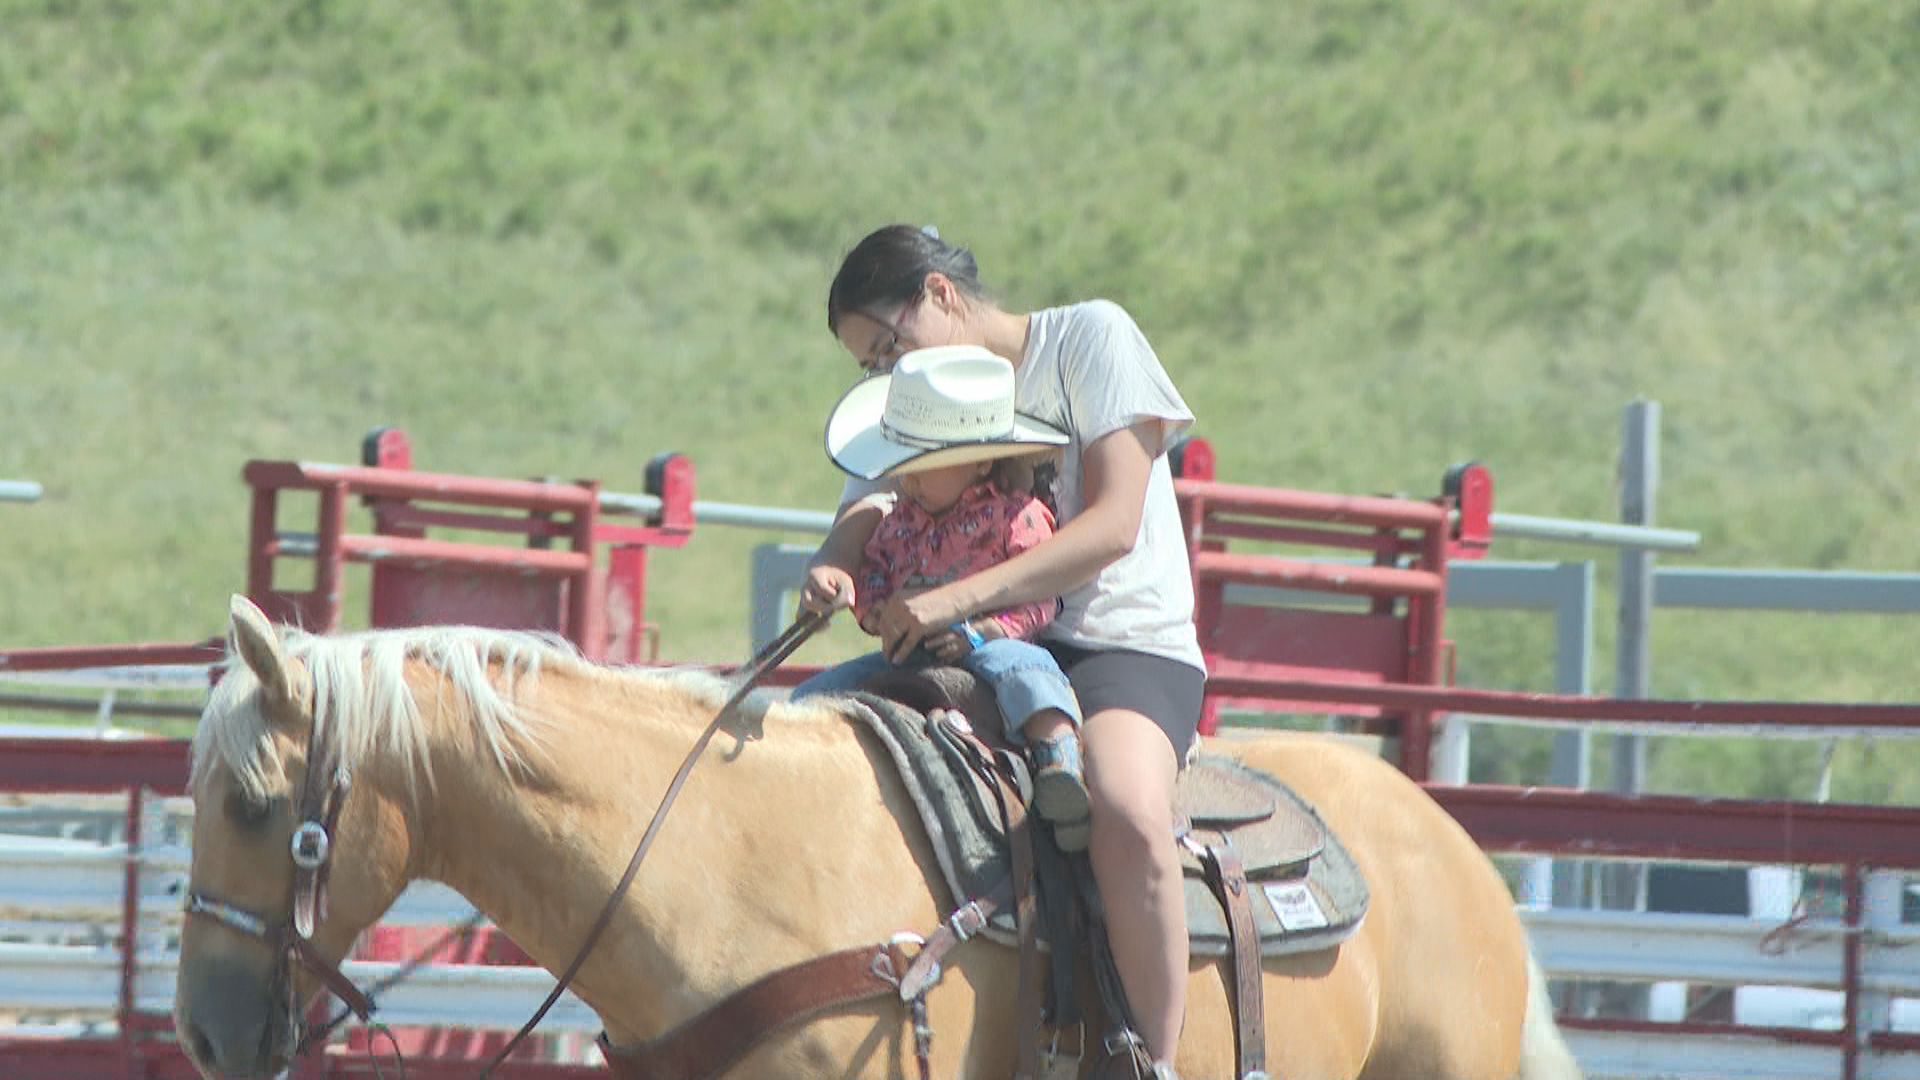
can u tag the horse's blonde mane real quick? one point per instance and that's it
(359, 686)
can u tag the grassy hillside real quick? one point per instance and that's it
(1369, 239)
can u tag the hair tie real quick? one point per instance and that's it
(930, 231)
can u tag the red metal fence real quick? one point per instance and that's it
(1387, 664)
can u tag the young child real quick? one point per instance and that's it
(939, 426)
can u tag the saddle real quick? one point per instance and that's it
(1263, 874)
(1307, 893)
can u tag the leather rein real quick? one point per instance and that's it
(323, 792)
(744, 679)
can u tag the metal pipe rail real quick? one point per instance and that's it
(383, 481)
(1574, 708)
(305, 544)
(373, 482)
(1623, 1050)
(1344, 578)
(150, 1060)
(1505, 525)
(721, 513)
(1592, 824)
(1596, 533)
(1734, 588)
(67, 978)
(95, 766)
(20, 491)
(1365, 511)
(142, 676)
(109, 705)
(411, 551)
(39, 669)
(1726, 950)
(66, 658)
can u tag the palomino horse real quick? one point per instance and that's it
(518, 774)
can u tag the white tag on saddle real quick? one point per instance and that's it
(1294, 905)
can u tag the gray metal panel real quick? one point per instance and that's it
(1527, 586)
(778, 569)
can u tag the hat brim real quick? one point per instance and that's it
(858, 445)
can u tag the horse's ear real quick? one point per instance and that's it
(258, 643)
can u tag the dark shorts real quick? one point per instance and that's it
(1165, 691)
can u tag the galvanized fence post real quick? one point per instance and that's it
(1625, 884)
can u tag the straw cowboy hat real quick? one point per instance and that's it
(948, 405)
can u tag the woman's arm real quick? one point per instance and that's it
(1114, 472)
(1030, 525)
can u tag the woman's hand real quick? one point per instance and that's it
(908, 619)
(827, 588)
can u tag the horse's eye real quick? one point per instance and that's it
(249, 809)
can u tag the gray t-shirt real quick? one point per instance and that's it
(1089, 371)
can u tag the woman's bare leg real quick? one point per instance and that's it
(1131, 769)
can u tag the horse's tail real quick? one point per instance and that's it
(1543, 1052)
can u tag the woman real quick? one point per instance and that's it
(1118, 560)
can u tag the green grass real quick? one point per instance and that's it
(1369, 239)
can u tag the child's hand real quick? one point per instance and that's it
(954, 643)
(827, 588)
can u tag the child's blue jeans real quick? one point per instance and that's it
(1023, 676)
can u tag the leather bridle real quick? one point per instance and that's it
(323, 792)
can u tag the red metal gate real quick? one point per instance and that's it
(1387, 664)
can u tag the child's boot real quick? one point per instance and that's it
(1060, 790)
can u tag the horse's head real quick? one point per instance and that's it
(290, 862)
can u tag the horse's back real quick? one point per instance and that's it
(1441, 951)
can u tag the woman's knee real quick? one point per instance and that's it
(1130, 807)
(1135, 763)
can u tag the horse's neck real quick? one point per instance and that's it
(774, 852)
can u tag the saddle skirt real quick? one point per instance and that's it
(1306, 891)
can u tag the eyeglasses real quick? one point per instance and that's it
(889, 347)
